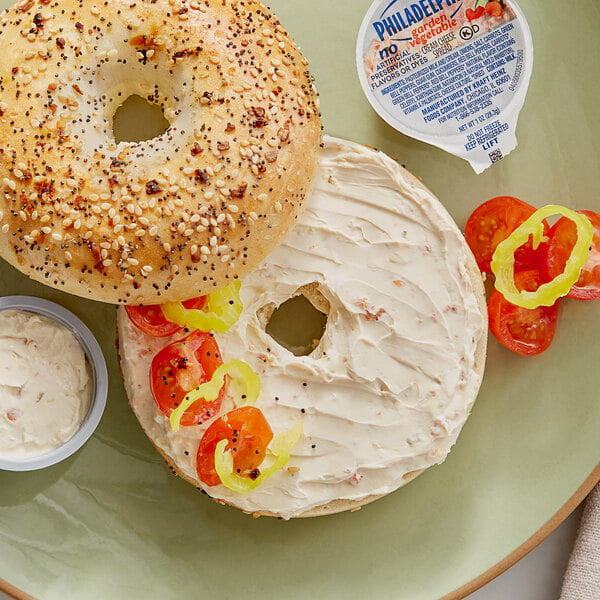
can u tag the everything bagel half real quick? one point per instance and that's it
(174, 216)
(385, 391)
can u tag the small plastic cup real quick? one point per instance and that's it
(99, 375)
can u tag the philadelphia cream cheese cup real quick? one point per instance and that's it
(98, 374)
(447, 72)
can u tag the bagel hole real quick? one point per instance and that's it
(298, 324)
(137, 120)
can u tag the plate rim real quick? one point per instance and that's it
(478, 582)
(531, 543)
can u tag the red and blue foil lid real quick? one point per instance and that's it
(452, 73)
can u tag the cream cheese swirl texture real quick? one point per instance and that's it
(392, 381)
(45, 385)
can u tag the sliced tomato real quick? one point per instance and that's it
(248, 434)
(563, 236)
(523, 330)
(492, 222)
(180, 367)
(151, 320)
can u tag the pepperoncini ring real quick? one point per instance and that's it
(503, 260)
(242, 380)
(222, 309)
(280, 449)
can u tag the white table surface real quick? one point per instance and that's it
(538, 576)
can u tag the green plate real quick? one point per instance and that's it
(113, 522)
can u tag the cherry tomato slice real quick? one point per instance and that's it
(248, 434)
(151, 320)
(522, 330)
(492, 222)
(562, 239)
(181, 366)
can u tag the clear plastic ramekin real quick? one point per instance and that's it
(99, 375)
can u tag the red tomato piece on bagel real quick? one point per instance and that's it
(179, 368)
(248, 434)
(151, 320)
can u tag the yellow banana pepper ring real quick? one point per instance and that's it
(243, 382)
(222, 309)
(280, 448)
(503, 260)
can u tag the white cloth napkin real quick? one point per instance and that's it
(582, 578)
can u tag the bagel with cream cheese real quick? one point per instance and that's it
(167, 218)
(388, 387)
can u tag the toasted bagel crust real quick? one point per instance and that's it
(167, 218)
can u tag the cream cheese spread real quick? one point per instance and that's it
(45, 384)
(392, 381)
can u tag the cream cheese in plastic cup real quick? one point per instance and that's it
(452, 73)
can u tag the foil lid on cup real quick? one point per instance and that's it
(452, 73)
